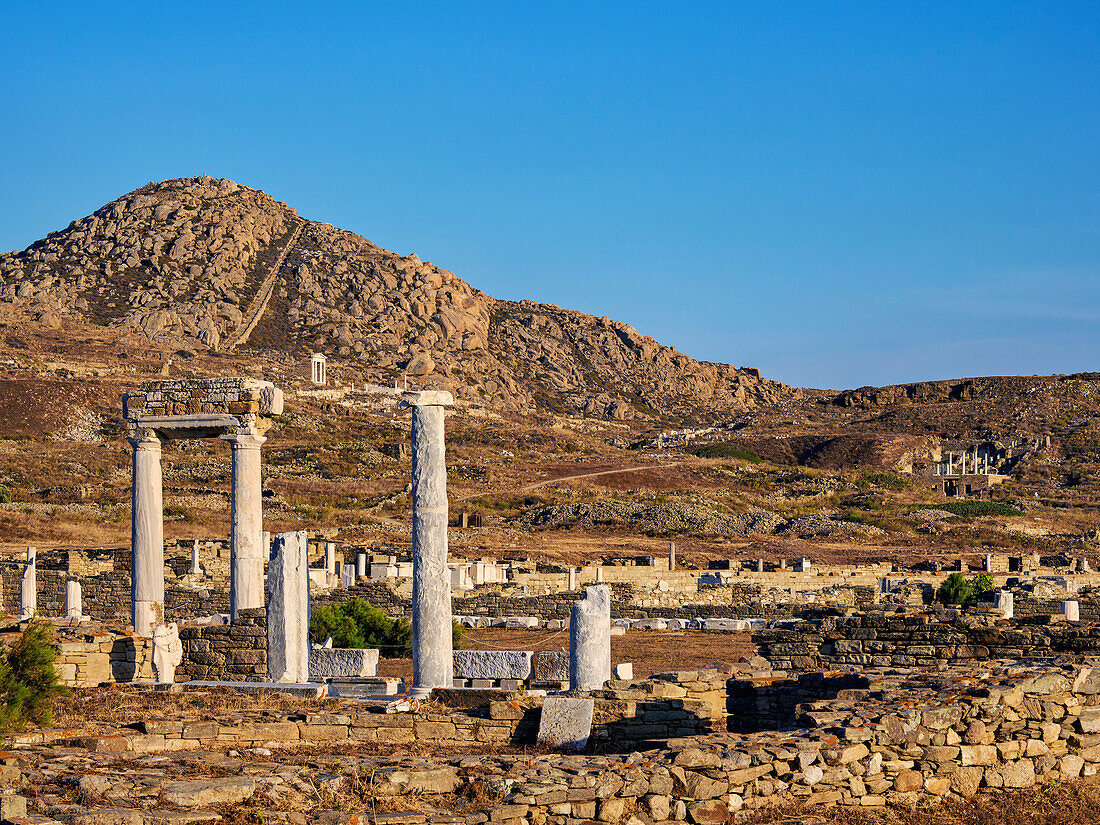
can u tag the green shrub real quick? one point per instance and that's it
(5, 494)
(727, 450)
(969, 509)
(959, 590)
(358, 623)
(887, 481)
(28, 679)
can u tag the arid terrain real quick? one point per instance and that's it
(573, 437)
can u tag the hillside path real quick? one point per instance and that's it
(263, 296)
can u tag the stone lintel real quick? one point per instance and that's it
(189, 426)
(426, 398)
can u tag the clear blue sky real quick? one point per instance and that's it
(837, 193)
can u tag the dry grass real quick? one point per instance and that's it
(1074, 803)
(119, 705)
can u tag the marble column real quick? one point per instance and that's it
(1071, 611)
(147, 538)
(288, 609)
(196, 566)
(330, 560)
(28, 586)
(671, 555)
(759, 565)
(74, 605)
(590, 640)
(1003, 601)
(360, 564)
(246, 544)
(571, 582)
(431, 596)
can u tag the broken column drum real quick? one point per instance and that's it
(74, 605)
(288, 609)
(28, 586)
(246, 550)
(431, 595)
(590, 640)
(147, 536)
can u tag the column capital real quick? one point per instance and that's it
(248, 440)
(144, 439)
(426, 398)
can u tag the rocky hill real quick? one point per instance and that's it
(201, 262)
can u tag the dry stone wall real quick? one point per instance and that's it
(904, 638)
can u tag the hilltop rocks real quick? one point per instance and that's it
(183, 261)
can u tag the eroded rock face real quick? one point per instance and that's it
(190, 260)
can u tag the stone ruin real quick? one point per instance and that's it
(235, 410)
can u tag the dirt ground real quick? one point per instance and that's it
(650, 651)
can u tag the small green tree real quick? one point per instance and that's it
(28, 679)
(956, 589)
(358, 623)
(981, 583)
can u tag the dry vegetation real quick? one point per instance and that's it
(1073, 803)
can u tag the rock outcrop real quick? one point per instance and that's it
(193, 260)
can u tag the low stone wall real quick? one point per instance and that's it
(234, 652)
(89, 658)
(906, 638)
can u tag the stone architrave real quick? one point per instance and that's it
(246, 544)
(167, 652)
(28, 586)
(74, 606)
(147, 537)
(288, 609)
(590, 640)
(342, 663)
(493, 664)
(431, 596)
(566, 722)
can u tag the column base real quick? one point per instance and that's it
(420, 692)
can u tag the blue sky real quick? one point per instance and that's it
(837, 193)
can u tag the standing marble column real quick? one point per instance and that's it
(28, 586)
(147, 537)
(330, 561)
(360, 564)
(431, 596)
(590, 640)
(246, 544)
(74, 604)
(196, 567)
(571, 583)
(288, 609)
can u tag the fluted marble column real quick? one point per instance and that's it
(246, 545)
(431, 597)
(147, 537)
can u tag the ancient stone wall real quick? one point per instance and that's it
(907, 638)
(234, 652)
